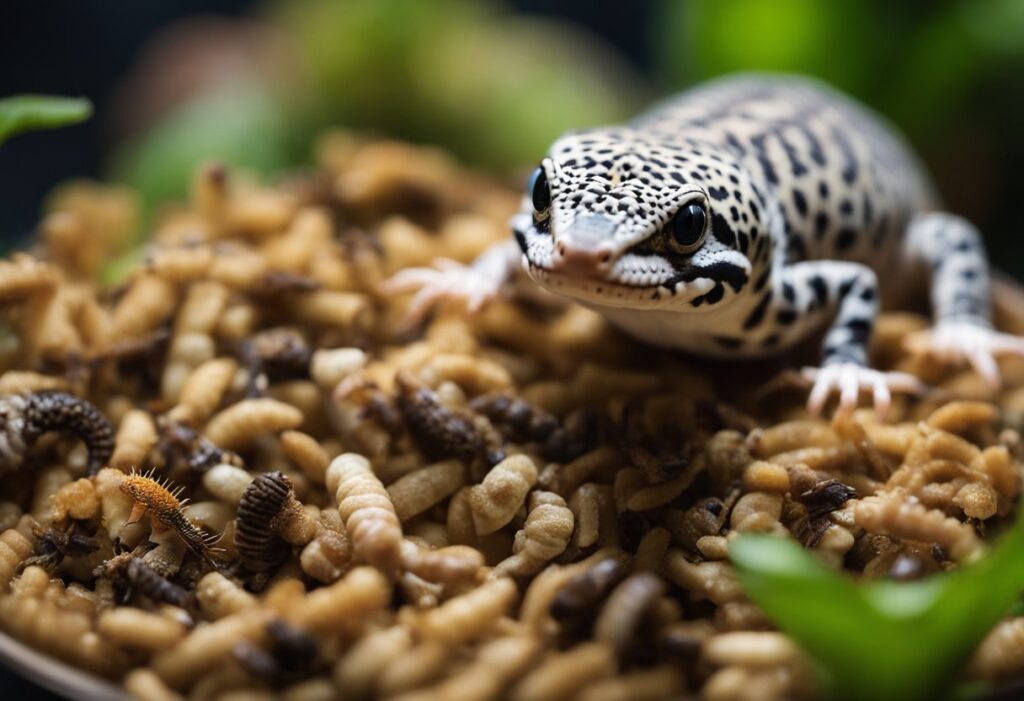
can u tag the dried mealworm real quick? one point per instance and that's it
(421, 489)
(135, 437)
(544, 536)
(495, 501)
(258, 546)
(367, 511)
(24, 418)
(469, 615)
(241, 423)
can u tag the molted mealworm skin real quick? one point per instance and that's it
(152, 496)
(24, 418)
(258, 547)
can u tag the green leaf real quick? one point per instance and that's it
(23, 113)
(885, 639)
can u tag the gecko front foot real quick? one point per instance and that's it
(957, 342)
(448, 279)
(849, 379)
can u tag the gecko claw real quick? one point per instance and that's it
(447, 280)
(959, 342)
(849, 379)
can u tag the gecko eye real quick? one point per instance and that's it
(687, 227)
(540, 193)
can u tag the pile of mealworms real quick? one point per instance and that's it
(241, 472)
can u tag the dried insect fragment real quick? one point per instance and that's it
(621, 615)
(515, 417)
(163, 504)
(275, 354)
(54, 544)
(438, 430)
(258, 546)
(585, 591)
(25, 417)
(290, 654)
(134, 576)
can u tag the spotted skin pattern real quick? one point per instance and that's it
(810, 201)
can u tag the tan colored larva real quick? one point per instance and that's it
(164, 506)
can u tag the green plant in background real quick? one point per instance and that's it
(22, 113)
(882, 639)
(493, 87)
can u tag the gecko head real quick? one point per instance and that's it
(616, 218)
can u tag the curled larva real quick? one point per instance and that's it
(495, 501)
(562, 674)
(414, 493)
(367, 510)
(163, 505)
(897, 516)
(357, 596)
(328, 556)
(474, 374)
(15, 548)
(453, 563)
(332, 308)
(241, 423)
(544, 536)
(139, 629)
(76, 500)
(148, 303)
(329, 366)
(218, 596)
(227, 482)
(135, 437)
(306, 452)
(203, 389)
(24, 418)
(22, 275)
(27, 382)
(469, 615)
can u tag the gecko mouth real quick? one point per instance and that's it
(611, 293)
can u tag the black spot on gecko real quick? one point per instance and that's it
(788, 292)
(762, 280)
(801, 202)
(786, 316)
(757, 315)
(846, 239)
(771, 341)
(728, 342)
(820, 225)
(716, 294)
(723, 232)
(820, 288)
(868, 295)
(718, 193)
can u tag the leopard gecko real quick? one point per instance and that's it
(737, 219)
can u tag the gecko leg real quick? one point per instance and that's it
(475, 284)
(961, 296)
(809, 294)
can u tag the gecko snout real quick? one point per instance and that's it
(586, 247)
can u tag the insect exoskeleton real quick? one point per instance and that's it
(26, 417)
(162, 503)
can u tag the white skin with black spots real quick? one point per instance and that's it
(737, 219)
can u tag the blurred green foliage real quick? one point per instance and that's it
(882, 639)
(493, 87)
(917, 61)
(21, 113)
